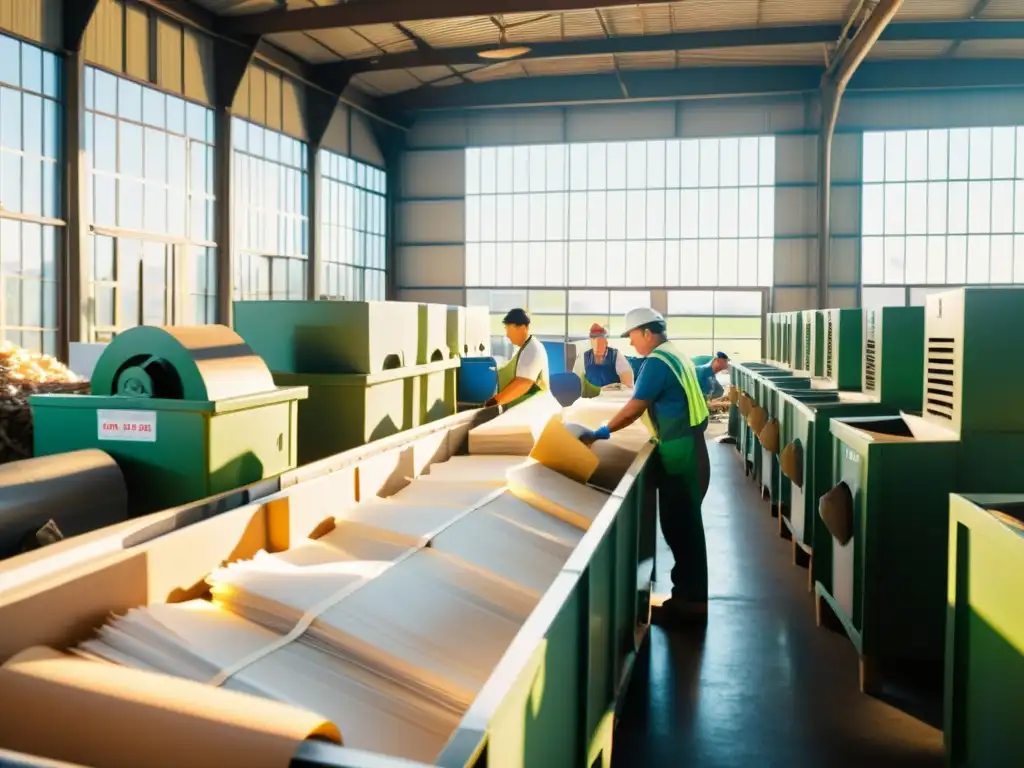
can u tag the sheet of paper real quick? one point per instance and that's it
(559, 448)
(102, 715)
(557, 495)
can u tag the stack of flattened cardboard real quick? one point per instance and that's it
(514, 432)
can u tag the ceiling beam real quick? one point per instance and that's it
(357, 13)
(710, 82)
(688, 41)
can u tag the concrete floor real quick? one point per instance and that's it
(763, 686)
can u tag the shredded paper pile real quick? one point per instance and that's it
(22, 374)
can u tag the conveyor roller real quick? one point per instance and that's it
(77, 492)
(198, 363)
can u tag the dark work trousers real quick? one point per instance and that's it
(679, 508)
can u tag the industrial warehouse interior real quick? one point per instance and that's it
(511, 383)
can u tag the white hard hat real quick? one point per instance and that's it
(642, 316)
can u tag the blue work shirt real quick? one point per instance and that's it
(706, 378)
(658, 385)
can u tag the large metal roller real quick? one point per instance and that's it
(198, 363)
(78, 492)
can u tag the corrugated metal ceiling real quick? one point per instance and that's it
(324, 46)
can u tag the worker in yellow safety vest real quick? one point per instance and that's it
(668, 398)
(526, 373)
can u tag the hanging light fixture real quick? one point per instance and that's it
(504, 51)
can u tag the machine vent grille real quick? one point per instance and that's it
(830, 362)
(807, 346)
(939, 377)
(870, 352)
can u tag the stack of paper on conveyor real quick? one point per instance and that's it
(513, 540)
(479, 470)
(196, 640)
(514, 432)
(389, 624)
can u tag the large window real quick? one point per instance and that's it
(706, 322)
(151, 203)
(30, 208)
(941, 208)
(673, 213)
(354, 229)
(271, 209)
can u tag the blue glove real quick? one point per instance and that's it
(601, 433)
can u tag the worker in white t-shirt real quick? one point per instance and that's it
(527, 372)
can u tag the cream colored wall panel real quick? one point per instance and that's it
(620, 123)
(424, 222)
(793, 299)
(844, 210)
(104, 37)
(794, 261)
(740, 117)
(430, 265)
(258, 94)
(509, 126)
(336, 136)
(440, 173)
(36, 20)
(844, 268)
(364, 143)
(842, 298)
(275, 112)
(293, 109)
(169, 46)
(796, 211)
(197, 54)
(796, 159)
(136, 42)
(443, 296)
(846, 156)
(240, 106)
(438, 130)
(959, 109)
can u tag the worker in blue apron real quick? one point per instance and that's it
(526, 373)
(668, 399)
(602, 365)
(707, 376)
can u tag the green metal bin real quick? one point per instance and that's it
(881, 537)
(984, 681)
(186, 412)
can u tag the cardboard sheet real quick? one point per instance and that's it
(557, 495)
(489, 470)
(106, 716)
(558, 448)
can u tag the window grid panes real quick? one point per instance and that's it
(152, 198)
(706, 322)
(942, 207)
(353, 229)
(697, 212)
(30, 183)
(271, 210)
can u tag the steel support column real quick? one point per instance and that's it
(231, 62)
(849, 55)
(73, 303)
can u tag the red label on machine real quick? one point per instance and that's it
(131, 426)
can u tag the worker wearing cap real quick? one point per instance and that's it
(669, 400)
(527, 372)
(601, 365)
(707, 376)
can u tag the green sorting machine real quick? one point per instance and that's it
(372, 368)
(882, 348)
(469, 331)
(187, 412)
(984, 686)
(881, 536)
